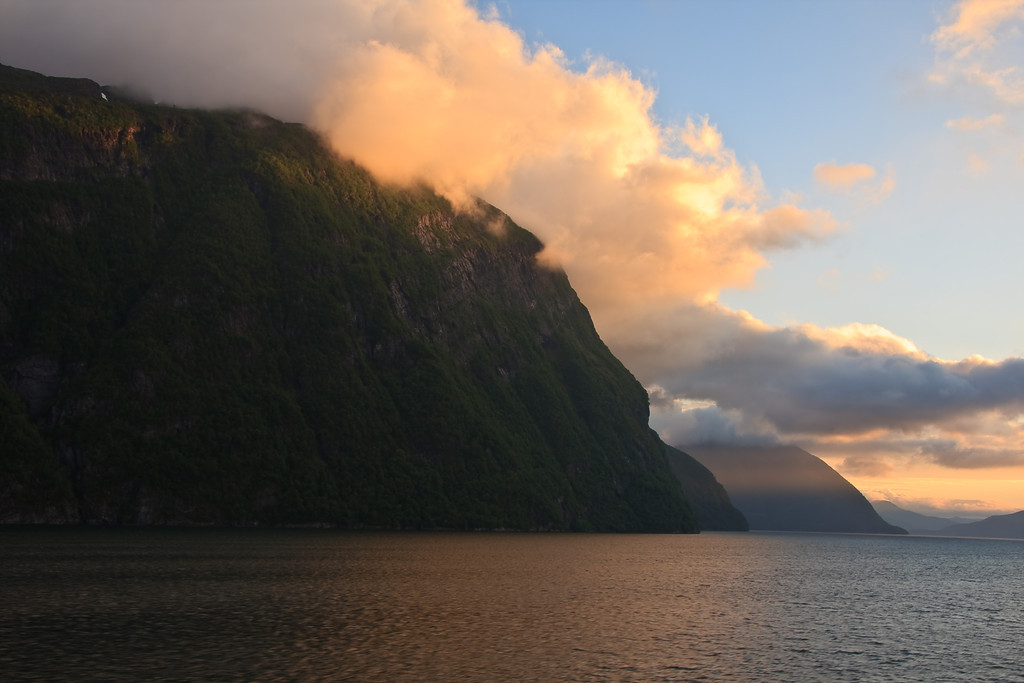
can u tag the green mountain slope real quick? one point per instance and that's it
(206, 317)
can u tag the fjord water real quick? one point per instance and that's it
(81, 604)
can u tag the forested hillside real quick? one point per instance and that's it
(206, 317)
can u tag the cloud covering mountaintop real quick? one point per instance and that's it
(650, 219)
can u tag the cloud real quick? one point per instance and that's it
(256, 53)
(978, 165)
(950, 453)
(978, 65)
(631, 209)
(976, 25)
(985, 440)
(830, 389)
(802, 385)
(847, 178)
(979, 49)
(710, 426)
(868, 466)
(968, 124)
(842, 177)
(875, 194)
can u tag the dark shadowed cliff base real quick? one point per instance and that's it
(208, 318)
(707, 497)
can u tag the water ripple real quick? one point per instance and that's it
(259, 605)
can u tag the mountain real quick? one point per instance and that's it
(707, 497)
(997, 526)
(209, 318)
(913, 522)
(785, 488)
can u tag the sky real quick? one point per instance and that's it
(794, 221)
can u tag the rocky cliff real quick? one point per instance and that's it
(206, 317)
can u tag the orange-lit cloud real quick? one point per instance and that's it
(967, 123)
(980, 47)
(842, 177)
(862, 338)
(634, 211)
(849, 177)
(976, 25)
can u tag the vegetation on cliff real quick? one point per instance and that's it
(206, 317)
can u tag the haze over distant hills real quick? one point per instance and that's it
(996, 526)
(209, 318)
(785, 488)
(914, 522)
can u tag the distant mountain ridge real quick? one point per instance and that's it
(996, 526)
(914, 522)
(785, 488)
(209, 318)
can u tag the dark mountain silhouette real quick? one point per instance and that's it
(997, 526)
(209, 318)
(707, 497)
(913, 522)
(785, 488)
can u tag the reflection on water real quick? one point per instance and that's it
(257, 605)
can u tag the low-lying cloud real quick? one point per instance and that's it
(858, 389)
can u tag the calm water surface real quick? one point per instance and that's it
(303, 605)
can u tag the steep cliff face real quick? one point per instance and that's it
(208, 318)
